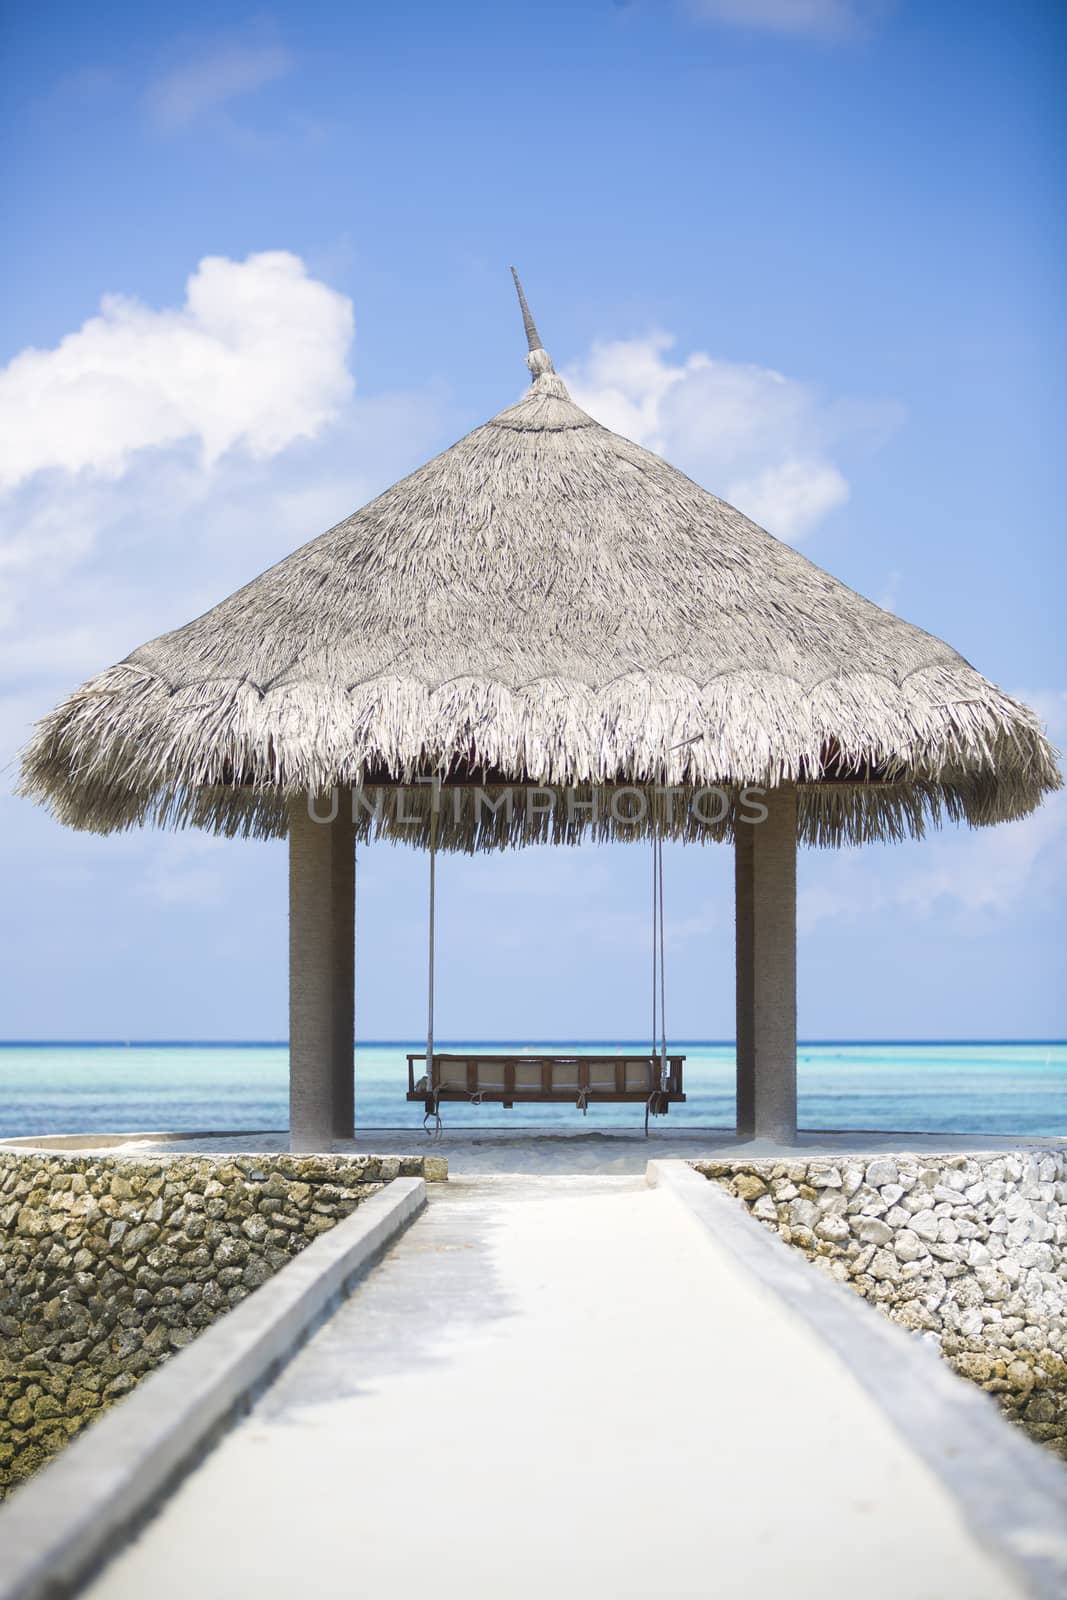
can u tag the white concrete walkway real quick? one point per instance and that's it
(559, 1387)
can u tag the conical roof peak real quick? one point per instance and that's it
(545, 407)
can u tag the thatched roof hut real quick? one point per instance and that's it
(547, 604)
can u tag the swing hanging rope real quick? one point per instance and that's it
(655, 945)
(657, 1102)
(431, 1122)
(662, 972)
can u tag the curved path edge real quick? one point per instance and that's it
(1012, 1496)
(61, 1525)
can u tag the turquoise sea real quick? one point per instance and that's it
(910, 1087)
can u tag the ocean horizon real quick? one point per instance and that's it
(464, 1040)
(994, 1086)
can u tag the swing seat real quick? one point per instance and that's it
(533, 1080)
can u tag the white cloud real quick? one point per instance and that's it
(759, 439)
(135, 495)
(989, 870)
(256, 357)
(1051, 707)
(93, 571)
(186, 868)
(970, 880)
(888, 597)
(791, 497)
(827, 19)
(212, 80)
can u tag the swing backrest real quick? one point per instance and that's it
(548, 1077)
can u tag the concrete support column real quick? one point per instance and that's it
(321, 975)
(766, 944)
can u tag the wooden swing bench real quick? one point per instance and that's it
(653, 1080)
(537, 1080)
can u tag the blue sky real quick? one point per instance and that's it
(810, 250)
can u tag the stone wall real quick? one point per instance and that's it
(108, 1264)
(970, 1252)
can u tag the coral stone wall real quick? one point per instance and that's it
(108, 1264)
(968, 1251)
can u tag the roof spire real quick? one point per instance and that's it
(533, 338)
(539, 361)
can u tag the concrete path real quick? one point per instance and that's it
(559, 1387)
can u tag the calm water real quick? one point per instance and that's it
(962, 1088)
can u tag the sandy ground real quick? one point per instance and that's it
(559, 1387)
(532, 1150)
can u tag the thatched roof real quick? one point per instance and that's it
(547, 603)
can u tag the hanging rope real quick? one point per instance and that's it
(658, 1103)
(432, 1121)
(662, 971)
(655, 941)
